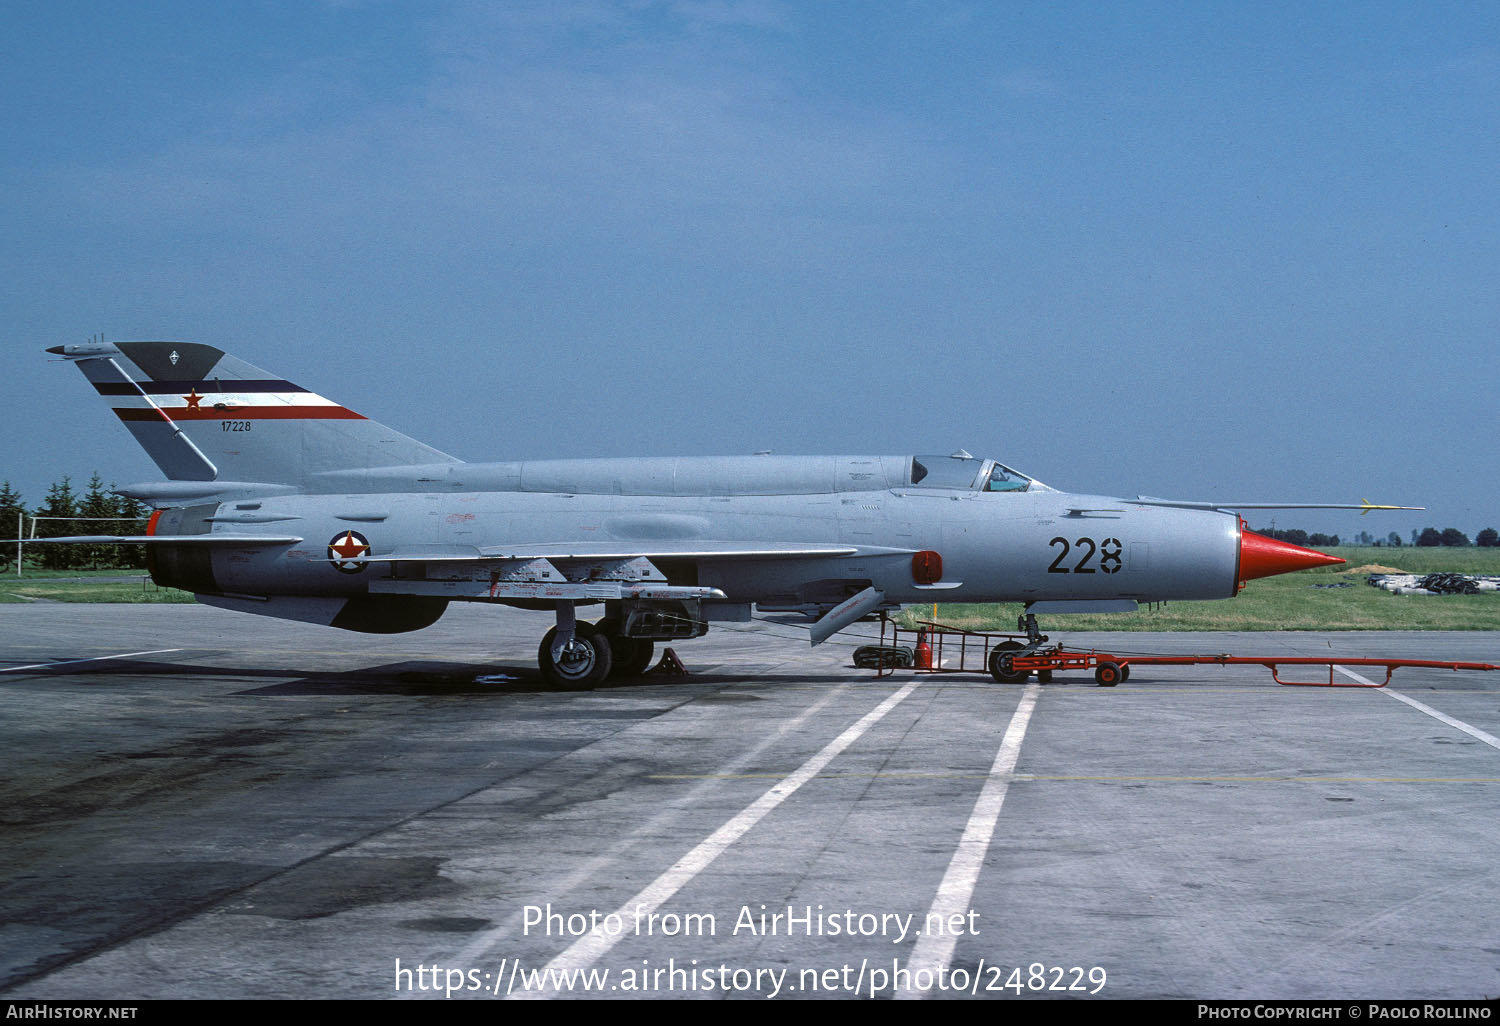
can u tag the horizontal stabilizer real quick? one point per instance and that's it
(167, 493)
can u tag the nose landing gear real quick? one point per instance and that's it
(1002, 656)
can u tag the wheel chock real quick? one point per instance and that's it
(669, 666)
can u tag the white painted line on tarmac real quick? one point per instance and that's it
(95, 659)
(1475, 732)
(934, 949)
(600, 864)
(590, 948)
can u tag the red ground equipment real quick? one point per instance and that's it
(1013, 658)
(923, 652)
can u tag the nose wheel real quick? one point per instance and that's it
(1001, 667)
(1001, 661)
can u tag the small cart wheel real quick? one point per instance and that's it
(1108, 674)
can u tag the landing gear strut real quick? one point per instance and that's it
(1034, 635)
(574, 655)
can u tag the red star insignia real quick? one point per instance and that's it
(349, 547)
(193, 400)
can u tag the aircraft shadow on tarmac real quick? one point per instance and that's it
(422, 677)
(436, 677)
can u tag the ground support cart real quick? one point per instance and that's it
(1014, 658)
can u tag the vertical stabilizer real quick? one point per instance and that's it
(203, 415)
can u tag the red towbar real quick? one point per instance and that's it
(1009, 660)
(1109, 669)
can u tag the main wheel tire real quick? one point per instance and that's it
(641, 651)
(1000, 665)
(582, 664)
(1108, 674)
(631, 656)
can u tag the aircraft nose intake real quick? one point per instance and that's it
(1266, 557)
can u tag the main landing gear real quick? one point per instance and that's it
(576, 655)
(631, 655)
(576, 659)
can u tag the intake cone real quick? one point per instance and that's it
(1266, 557)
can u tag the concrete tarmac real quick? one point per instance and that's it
(201, 804)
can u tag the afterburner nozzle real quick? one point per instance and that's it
(1266, 557)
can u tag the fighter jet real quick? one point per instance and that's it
(286, 504)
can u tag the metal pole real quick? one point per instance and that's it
(20, 533)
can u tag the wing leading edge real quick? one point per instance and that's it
(595, 551)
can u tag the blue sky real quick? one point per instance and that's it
(1196, 250)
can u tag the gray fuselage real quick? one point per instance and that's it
(1014, 545)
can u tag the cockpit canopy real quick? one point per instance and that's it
(968, 473)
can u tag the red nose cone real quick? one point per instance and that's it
(1266, 557)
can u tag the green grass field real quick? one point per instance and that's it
(1291, 602)
(85, 586)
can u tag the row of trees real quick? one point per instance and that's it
(64, 512)
(1297, 537)
(1451, 536)
(1427, 537)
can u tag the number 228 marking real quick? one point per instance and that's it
(1108, 551)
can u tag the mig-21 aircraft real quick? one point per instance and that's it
(283, 503)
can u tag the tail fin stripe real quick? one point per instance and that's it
(206, 387)
(186, 460)
(185, 402)
(176, 413)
